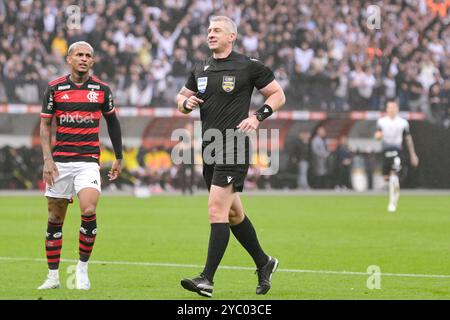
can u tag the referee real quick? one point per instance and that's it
(221, 87)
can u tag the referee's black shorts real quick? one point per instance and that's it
(222, 175)
(233, 165)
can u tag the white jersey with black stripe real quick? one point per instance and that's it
(393, 132)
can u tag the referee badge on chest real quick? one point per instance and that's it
(228, 83)
(201, 84)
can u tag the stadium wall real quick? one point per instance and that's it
(19, 127)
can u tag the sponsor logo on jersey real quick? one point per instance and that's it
(228, 83)
(67, 86)
(205, 67)
(201, 84)
(93, 96)
(65, 97)
(94, 86)
(68, 118)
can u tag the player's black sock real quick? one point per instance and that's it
(246, 235)
(53, 244)
(218, 241)
(88, 232)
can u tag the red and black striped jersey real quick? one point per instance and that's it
(78, 110)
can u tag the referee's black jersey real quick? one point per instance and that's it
(226, 86)
(78, 110)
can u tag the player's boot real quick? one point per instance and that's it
(392, 207)
(199, 284)
(52, 282)
(82, 278)
(265, 274)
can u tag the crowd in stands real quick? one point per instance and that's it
(327, 55)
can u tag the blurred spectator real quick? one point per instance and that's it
(415, 90)
(319, 159)
(362, 83)
(59, 44)
(344, 162)
(341, 88)
(299, 156)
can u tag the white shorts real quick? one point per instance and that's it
(74, 176)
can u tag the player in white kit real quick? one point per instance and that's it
(392, 129)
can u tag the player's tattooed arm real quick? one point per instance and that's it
(50, 171)
(187, 101)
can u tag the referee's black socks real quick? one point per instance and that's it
(246, 235)
(218, 242)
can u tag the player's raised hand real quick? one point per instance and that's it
(116, 169)
(193, 102)
(50, 172)
(249, 124)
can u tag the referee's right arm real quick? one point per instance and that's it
(187, 101)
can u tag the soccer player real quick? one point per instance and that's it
(77, 102)
(392, 129)
(221, 87)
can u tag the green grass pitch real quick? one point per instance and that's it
(146, 246)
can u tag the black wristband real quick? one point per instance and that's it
(264, 112)
(185, 106)
(119, 156)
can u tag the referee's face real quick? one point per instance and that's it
(81, 59)
(219, 36)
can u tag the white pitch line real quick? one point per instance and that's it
(177, 265)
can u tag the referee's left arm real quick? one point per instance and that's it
(274, 100)
(274, 95)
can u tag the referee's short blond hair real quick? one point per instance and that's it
(231, 25)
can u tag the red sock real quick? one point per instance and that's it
(53, 244)
(88, 232)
